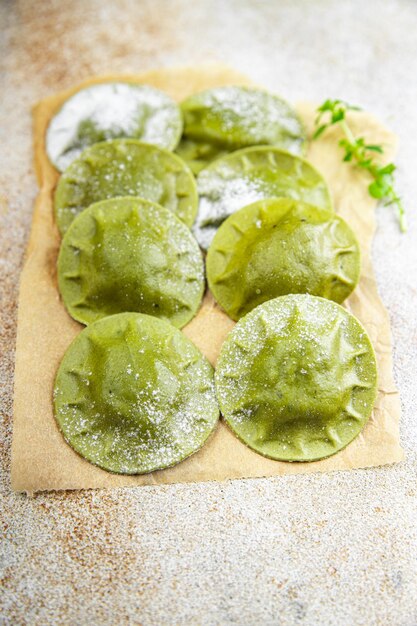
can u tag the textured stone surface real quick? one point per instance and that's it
(332, 549)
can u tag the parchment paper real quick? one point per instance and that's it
(41, 460)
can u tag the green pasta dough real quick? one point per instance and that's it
(218, 121)
(108, 111)
(296, 378)
(125, 167)
(252, 174)
(133, 395)
(129, 254)
(279, 246)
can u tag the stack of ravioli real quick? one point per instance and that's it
(153, 199)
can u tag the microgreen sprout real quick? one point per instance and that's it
(333, 112)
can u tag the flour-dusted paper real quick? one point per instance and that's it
(41, 460)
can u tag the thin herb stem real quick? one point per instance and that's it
(349, 135)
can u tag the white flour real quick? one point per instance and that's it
(112, 110)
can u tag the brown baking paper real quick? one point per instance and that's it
(41, 460)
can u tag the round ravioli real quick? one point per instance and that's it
(220, 120)
(125, 167)
(133, 395)
(128, 254)
(245, 176)
(296, 378)
(279, 246)
(108, 111)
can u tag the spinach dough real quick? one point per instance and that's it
(245, 176)
(279, 246)
(128, 254)
(111, 110)
(296, 378)
(125, 167)
(218, 121)
(133, 395)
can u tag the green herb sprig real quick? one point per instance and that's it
(356, 150)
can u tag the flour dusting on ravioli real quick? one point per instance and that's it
(133, 395)
(125, 167)
(279, 246)
(109, 111)
(252, 174)
(218, 121)
(128, 254)
(296, 378)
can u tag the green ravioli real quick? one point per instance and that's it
(108, 111)
(133, 395)
(245, 176)
(128, 254)
(279, 246)
(218, 121)
(125, 167)
(296, 378)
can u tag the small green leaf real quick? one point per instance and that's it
(326, 106)
(365, 163)
(375, 148)
(376, 191)
(320, 130)
(337, 115)
(388, 169)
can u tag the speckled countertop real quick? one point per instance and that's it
(321, 549)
